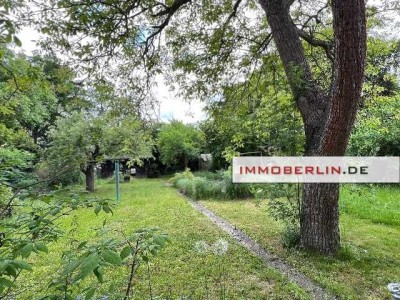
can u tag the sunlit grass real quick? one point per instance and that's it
(370, 229)
(178, 270)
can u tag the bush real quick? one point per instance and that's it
(183, 175)
(377, 130)
(200, 189)
(290, 237)
(53, 176)
(210, 185)
(184, 185)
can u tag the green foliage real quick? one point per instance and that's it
(31, 227)
(377, 131)
(284, 202)
(182, 175)
(15, 166)
(33, 92)
(80, 140)
(217, 186)
(178, 143)
(254, 118)
(284, 205)
(93, 259)
(8, 26)
(290, 237)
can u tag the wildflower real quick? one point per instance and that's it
(220, 247)
(201, 247)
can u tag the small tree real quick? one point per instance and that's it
(79, 142)
(178, 143)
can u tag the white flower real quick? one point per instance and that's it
(220, 247)
(201, 247)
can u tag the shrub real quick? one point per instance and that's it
(290, 237)
(210, 185)
(200, 188)
(184, 185)
(235, 190)
(284, 205)
(183, 175)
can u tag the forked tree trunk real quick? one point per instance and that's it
(89, 176)
(328, 116)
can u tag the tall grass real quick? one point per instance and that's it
(204, 185)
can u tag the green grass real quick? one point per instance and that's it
(178, 270)
(370, 229)
(374, 203)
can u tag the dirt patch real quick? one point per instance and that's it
(316, 291)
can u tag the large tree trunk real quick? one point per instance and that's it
(319, 222)
(89, 176)
(328, 116)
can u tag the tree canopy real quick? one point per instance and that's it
(178, 143)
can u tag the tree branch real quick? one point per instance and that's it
(326, 45)
(169, 11)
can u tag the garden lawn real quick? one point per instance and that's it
(370, 230)
(178, 270)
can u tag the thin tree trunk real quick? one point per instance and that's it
(89, 174)
(185, 161)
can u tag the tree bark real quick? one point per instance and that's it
(328, 116)
(185, 162)
(89, 176)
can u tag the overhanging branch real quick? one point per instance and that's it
(313, 41)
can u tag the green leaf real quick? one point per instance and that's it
(99, 274)
(97, 209)
(88, 265)
(111, 288)
(160, 240)
(17, 41)
(90, 293)
(6, 282)
(81, 245)
(3, 266)
(11, 270)
(125, 252)
(107, 209)
(41, 247)
(71, 267)
(22, 265)
(111, 257)
(27, 250)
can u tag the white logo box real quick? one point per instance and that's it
(307, 169)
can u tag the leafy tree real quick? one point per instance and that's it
(33, 92)
(227, 42)
(178, 143)
(8, 26)
(377, 131)
(79, 142)
(257, 116)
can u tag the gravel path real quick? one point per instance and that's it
(316, 291)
